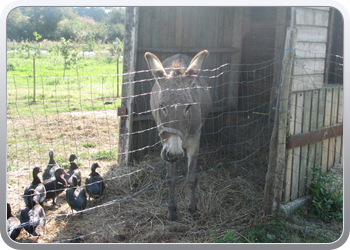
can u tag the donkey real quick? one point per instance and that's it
(180, 101)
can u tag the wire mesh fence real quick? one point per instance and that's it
(78, 115)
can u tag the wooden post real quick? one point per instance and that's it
(34, 78)
(129, 65)
(281, 21)
(117, 76)
(277, 155)
(235, 60)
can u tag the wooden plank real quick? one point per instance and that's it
(331, 152)
(204, 19)
(312, 34)
(145, 27)
(163, 28)
(212, 31)
(313, 126)
(212, 61)
(290, 152)
(179, 26)
(220, 31)
(193, 23)
(171, 27)
(319, 135)
(327, 122)
(308, 66)
(129, 64)
(297, 151)
(307, 82)
(311, 17)
(308, 49)
(248, 21)
(288, 176)
(228, 14)
(155, 26)
(338, 146)
(320, 124)
(305, 149)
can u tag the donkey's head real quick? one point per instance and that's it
(174, 107)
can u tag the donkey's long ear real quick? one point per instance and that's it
(155, 65)
(197, 63)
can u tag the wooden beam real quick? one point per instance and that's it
(314, 136)
(187, 50)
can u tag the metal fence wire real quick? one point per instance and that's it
(79, 115)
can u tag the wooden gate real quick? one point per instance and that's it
(314, 136)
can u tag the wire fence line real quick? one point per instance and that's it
(232, 166)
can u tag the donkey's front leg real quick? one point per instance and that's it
(171, 181)
(193, 182)
(192, 154)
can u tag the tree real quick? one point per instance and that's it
(115, 22)
(44, 20)
(97, 13)
(116, 15)
(76, 24)
(17, 25)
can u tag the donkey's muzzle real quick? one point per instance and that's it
(172, 150)
(170, 157)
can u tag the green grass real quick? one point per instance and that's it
(105, 155)
(279, 231)
(85, 86)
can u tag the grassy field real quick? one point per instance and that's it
(74, 108)
(87, 85)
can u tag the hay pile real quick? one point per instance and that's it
(134, 208)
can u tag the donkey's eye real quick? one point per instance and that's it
(163, 109)
(187, 108)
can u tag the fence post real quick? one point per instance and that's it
(277, 155)
(129, 64)
(117, 76)
(34, 78)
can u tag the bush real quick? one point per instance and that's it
(326, 195)
(11, 66)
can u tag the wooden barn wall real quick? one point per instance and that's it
(166, 31)
(244, 35)
(310, 60)
(262, 37)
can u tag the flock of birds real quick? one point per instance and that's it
(55, 181)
